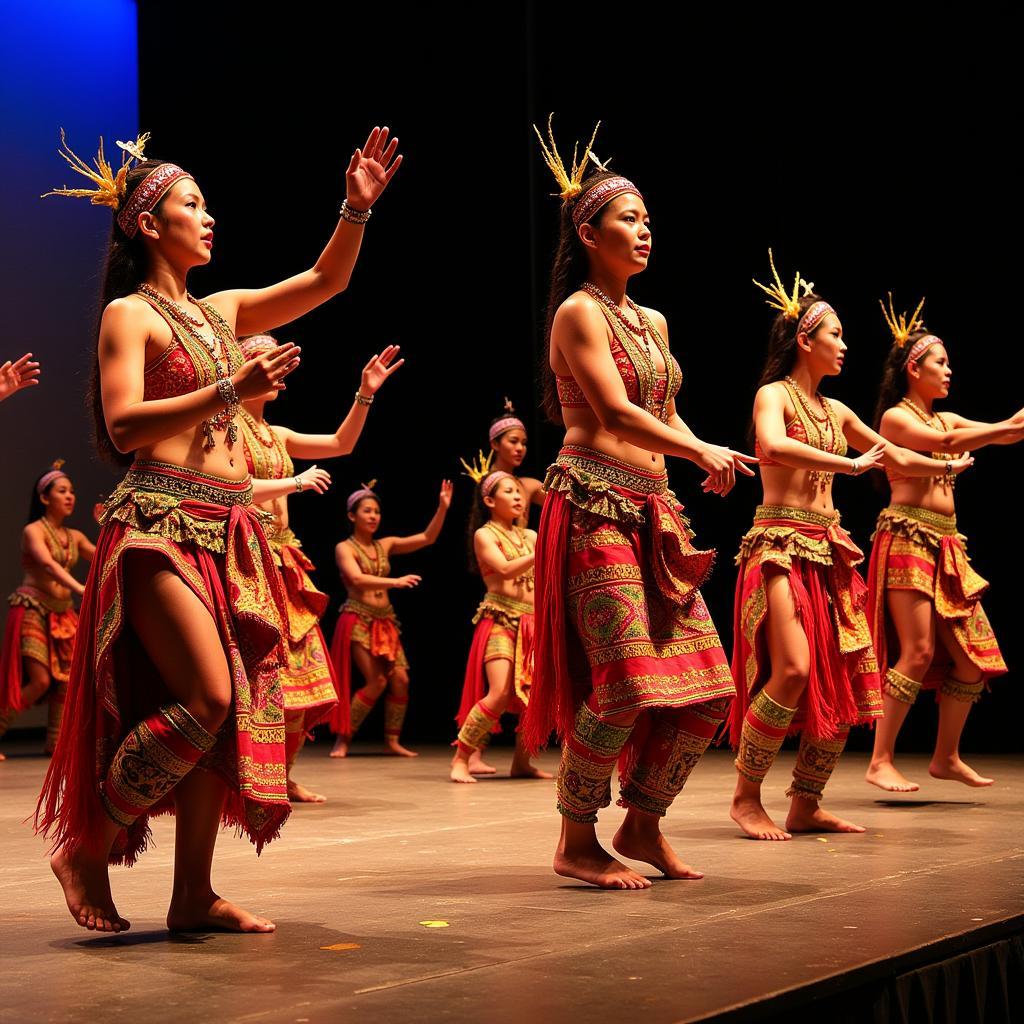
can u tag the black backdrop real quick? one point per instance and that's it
(869, 161)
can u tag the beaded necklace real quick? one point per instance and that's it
(513, 547)
(944, 480)
(270, 458)
(823, 430)
(63, 552)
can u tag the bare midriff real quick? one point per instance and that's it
(373, 562)
(924, 492)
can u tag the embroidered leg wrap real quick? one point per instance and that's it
(152, 759)
(955, 689)
(476, 729)
(394, 715)
(815, 763)
(677, 742)
(55, 712)
(361, 707)
(589, 754)
(294, 735)
(764, 728)
(901, 687)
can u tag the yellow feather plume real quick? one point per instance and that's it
(110, 186)
(479, 467)
(900, 328)
(787, 304)
(569, 180)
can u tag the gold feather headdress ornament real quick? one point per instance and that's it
(110, 185)
(569, 181)
(788, 303)
(479, 467)
(901, 328)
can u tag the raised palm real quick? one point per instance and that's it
(370, 169)
(378, 369)
(14, 377)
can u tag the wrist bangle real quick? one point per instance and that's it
(298, 484)
(227, 392)
(854, 467)
(354, 216)
(362, 399)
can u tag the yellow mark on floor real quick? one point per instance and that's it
(434, 924)
(339, 946)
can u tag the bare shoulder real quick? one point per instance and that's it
(33, 529)
(225, 303)
(580, 310)
(531, 535)
(658, 319)
(128, 312)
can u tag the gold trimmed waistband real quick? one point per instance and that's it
(946, 525)
(188, 484)
(503, 602)
(614, 471)
(370, 611)
(799, 515)
(30, 597)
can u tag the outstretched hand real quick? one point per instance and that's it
(445, 498)
(965, 461)
(378, 369)
(315, 479)
(871, 459)
(722, 465)
(14, 377)
(266, 372)
(370, 169)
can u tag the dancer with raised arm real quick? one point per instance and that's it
(925, 595)
(802, 655)
(180, 650)
(18, 375)
(41, 624)
(368, 632)
(627, 659)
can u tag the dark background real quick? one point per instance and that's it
(870, 156)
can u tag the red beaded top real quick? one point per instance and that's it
(794, 429)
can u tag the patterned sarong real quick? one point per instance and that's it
(207, 531)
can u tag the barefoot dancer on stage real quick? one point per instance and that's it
(802, 654)
(501, 655)
(922, 586)
(177, 662)
(41, 624)
(627, 655)
(307, 680)
(367, 631)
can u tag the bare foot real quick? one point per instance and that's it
(525, 770)
(478, 766)
(957, 771)
(86, 886)
(460, 771)
(298, 794)
(598, 867)
(2, 757)
(650, 846)
(397, 750)
(213, 914)
(753, 819)
(885, 776)
(340, 748)
(807, 816)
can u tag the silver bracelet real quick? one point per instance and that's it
(227, 392)
(352, 215)
(362, 399)
(854, 467)
(298, 484)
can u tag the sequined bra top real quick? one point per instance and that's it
(379, 566)
(801, 428)
(645, 387)
(65, 555)
(186, 365)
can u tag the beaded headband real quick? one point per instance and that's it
(507, 422)
(149, 192)
(814, 315)
(49, 476)
(901, 329)
(600, 195)
(788, 303)
(921, 346)
(366, 491)
(492, 480)
(256, 344)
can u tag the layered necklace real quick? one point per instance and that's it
(274, 463)
(823, 429)
(643, 333)
(944, 480)
(376, 567)
(513, 546)
(225, 419)
(62, 550)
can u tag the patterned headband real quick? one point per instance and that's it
(601, 194)
(256, 344)
(150, 191)
(921, 346)
(366, 491)
(506, 423)
(49, 476)
(492, 480)
(814, 315)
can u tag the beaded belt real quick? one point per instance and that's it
(367, 610)
(800, 515)
(614, 471)
(945, 525)
(191, 484)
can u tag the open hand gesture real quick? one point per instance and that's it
(445, 498)
(14, 377)
(370, 169)
(378, 369)
(722, 464)
(266, 372)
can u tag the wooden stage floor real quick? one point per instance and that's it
(351, 883)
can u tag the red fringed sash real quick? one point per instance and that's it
(340, 721)
(10, 661)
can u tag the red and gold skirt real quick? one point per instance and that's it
(207, 531)
(375, 629)
(920, 550)
(307, 678)
(41, 628)
(819, 558)
(620, 617)
(504, 632)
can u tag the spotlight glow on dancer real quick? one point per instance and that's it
(802, 654)
(307, 680)
(925, 595)
(178, 661)
(627, 657)
(41, 625)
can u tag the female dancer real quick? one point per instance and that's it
(502, 649)
(14, 377)
(922, 586)
(639, 660)
(367, 632)
(507, 436)
(178, 660)
(41, 625)
(307, 680)
(802, 655)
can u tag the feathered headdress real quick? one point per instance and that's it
(788, 303)
(478, 467)
(569, 181)
(110, 185)
(901, 328)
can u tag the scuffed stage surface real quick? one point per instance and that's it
(351, 882)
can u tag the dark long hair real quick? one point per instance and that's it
(478, 515)
(568, 272)
(36, 508)
(894, 374)
(124, 271)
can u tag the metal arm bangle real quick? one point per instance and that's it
(362, 399)
(352, 215)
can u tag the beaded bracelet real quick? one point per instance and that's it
(227, 392)
(298, 484)
(362, 399)
(352, 215)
